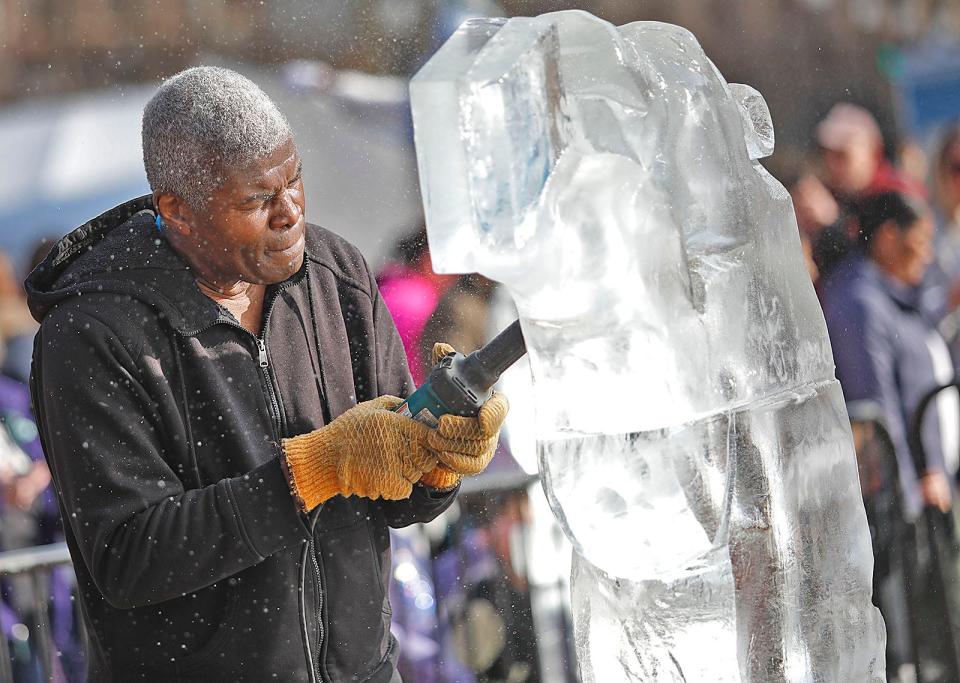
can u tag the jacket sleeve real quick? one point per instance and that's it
(865, 357)
(393, 377)
(143, 538)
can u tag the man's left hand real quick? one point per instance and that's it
(464, 445)
(935, 488)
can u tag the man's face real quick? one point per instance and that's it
(905, 254)
(252, 229)
(850, 168)
(917, 250)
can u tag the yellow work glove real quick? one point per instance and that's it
(368, 451)
(464, 445)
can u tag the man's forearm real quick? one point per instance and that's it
(195, 538)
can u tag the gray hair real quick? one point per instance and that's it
(202, 122)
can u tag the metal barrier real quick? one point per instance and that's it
(37, 562)
(935, 577)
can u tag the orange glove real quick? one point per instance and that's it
(464, 445)
(368, 451)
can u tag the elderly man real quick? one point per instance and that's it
(854, 168)
(852, 151)
(214, 381)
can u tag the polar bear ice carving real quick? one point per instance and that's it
(693, 442)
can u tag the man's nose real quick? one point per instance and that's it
(287, 211)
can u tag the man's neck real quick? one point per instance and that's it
(242, 299)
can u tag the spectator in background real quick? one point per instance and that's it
(888, 355)
(886, 350)
(412, 291)
(28, 508)
(854, 167)
(852, 151)
(17, 326)
(946, 183)
(28, 517)
(18, 338)
(816, 212)
(943, 282)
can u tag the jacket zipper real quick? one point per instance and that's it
(262, 346)
(264, 363)
(316, 572)
(263, 360)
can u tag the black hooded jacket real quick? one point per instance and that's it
(161, 419)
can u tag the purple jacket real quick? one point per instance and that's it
(882, 346)
(17, 416)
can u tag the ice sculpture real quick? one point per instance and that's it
(693, 441)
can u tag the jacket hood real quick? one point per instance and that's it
(121, 252)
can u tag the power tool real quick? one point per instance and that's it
(459, 385)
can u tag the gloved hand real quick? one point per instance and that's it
(464, 445)
(368, 451)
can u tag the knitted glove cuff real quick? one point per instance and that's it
(440, 478)
(312, 475)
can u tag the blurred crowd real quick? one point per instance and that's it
(31, 606)
(881, 235)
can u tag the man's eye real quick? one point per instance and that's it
(256, 204)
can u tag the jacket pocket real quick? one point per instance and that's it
(358, 631)
(219, 642)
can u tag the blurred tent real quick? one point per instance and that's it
(926, 82)
(70, 158)
(66, 160)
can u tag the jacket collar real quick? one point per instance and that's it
(905, 296)
(122, 252)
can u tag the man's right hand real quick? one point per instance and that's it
(935, 488)
(368, 451)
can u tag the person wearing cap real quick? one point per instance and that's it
(854, 166)
(852, 151)
(215, 383)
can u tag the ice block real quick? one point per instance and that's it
(693, 441)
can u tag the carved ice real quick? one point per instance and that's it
(693, 441)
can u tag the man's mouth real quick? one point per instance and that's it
(291, 249)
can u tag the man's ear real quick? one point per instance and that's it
(175, 212)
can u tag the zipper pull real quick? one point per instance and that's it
(261, 345)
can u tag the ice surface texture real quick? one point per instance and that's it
(693, 441)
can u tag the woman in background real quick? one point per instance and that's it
(889, 355)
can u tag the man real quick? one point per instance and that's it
(214, 381)
(852, 150)
(854, 167)
(887, 352)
